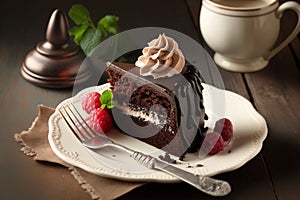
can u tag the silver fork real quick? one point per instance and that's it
(93, 140)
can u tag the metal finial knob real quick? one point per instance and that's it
(57, 30)
(54, 63)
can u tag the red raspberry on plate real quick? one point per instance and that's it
(100, 120)
(91, 102)
(225, 128)
(212, 143)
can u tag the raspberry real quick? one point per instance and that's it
(100, 120)
(212, 143)
(91, 102)
(225, 128)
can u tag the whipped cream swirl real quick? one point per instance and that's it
(162, 58)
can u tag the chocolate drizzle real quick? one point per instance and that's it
(192, 110)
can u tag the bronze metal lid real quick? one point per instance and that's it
(55, 63)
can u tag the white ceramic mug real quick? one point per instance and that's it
(243, 32)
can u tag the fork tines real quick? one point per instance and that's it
(76, 122)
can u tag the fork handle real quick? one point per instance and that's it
(206, 184)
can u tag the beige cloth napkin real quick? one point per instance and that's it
(35, 144)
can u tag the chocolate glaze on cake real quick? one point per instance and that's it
(167, 113)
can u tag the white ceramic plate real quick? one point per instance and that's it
(250, 130)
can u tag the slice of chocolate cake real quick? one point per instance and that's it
(163, 106)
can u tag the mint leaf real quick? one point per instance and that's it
(109, 23)
(103, 31)
(106, 99)
(110, 105)
(79, 14)
(85, 33)
(78, 32)
(90, 40)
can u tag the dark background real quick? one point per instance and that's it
(275, 92)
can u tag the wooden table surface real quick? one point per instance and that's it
(275, 92)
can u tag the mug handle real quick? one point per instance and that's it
(285, 6)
